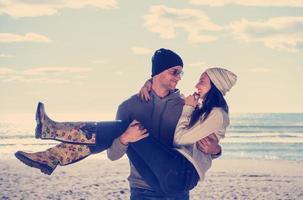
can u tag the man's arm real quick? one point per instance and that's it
(117, 150)
(210, 145)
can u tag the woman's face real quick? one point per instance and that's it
(203, 86)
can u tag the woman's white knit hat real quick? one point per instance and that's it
(223, 79)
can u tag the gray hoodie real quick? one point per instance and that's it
(159, 116)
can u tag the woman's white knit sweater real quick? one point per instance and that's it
(185, 138)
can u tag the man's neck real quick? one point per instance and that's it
(159, 90)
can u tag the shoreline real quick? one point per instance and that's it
(99, 178)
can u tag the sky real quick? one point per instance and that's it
(82, 58)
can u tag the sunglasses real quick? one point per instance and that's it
(176, 72)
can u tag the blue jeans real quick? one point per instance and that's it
(143, 194)
(166, 170)
(105, 131)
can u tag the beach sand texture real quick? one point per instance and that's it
(103, 179)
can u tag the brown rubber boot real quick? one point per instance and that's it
(69, 132)
(61, 154)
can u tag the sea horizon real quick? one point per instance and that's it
(268, 136)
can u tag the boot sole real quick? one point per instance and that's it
(44, 168)
(38, 129)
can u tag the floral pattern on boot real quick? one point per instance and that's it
(71, 132)
(62, 131)
(62, 154)
(69, 153)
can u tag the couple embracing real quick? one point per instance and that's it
(170, 140)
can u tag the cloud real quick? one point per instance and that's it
(45, 74)
(165, 21)
(141, 50)
(81, 77)
(29, 37)
(119, 73)
(6, 71)
(98, 61)
(260, 70)
(55, 70)
(6, 55)
(22, 79)
(35, 8)
(268, 3)
(196, 64)
(281, 33)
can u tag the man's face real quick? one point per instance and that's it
(170, 77)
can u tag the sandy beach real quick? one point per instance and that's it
(99, 178)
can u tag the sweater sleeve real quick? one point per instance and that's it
(117, 149)
(186, 136)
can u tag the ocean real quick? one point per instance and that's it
(270, 136)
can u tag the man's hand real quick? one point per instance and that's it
(209, 144)
(133, 133)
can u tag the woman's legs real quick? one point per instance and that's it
(73, 151)
(80, 139)
(174, 173)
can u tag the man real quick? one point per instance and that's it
(159, 116)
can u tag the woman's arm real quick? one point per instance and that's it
(185, 136)
(146, 88)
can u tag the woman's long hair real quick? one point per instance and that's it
(213, 98)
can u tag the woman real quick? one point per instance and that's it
(171, 170)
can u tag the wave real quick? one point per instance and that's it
(246, 155)
(265, 128)
(16, 137)
(26, 141)
(279, 140)
(264, 134)
(263, 147)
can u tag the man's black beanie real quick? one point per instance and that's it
(164, 59)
